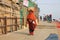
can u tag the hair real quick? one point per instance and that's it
(30, 10)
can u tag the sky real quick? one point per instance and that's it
(49, 7)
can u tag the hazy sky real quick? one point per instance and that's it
(49, 7)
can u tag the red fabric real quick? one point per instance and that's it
(31, 33)
(31, 16)
(32, 26)
(58, 24)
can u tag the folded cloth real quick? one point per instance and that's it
(52, 37)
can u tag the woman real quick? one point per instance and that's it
(31, 19)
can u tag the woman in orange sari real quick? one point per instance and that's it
(31, 19)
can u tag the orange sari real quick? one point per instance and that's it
(32, 17)
(32, 25)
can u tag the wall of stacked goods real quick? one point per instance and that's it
(9, 16)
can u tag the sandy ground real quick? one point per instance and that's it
(40, 34)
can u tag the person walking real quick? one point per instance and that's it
(31, 19)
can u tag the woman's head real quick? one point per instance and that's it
(30, 11)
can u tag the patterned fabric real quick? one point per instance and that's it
(52, 37)
(31, 26)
